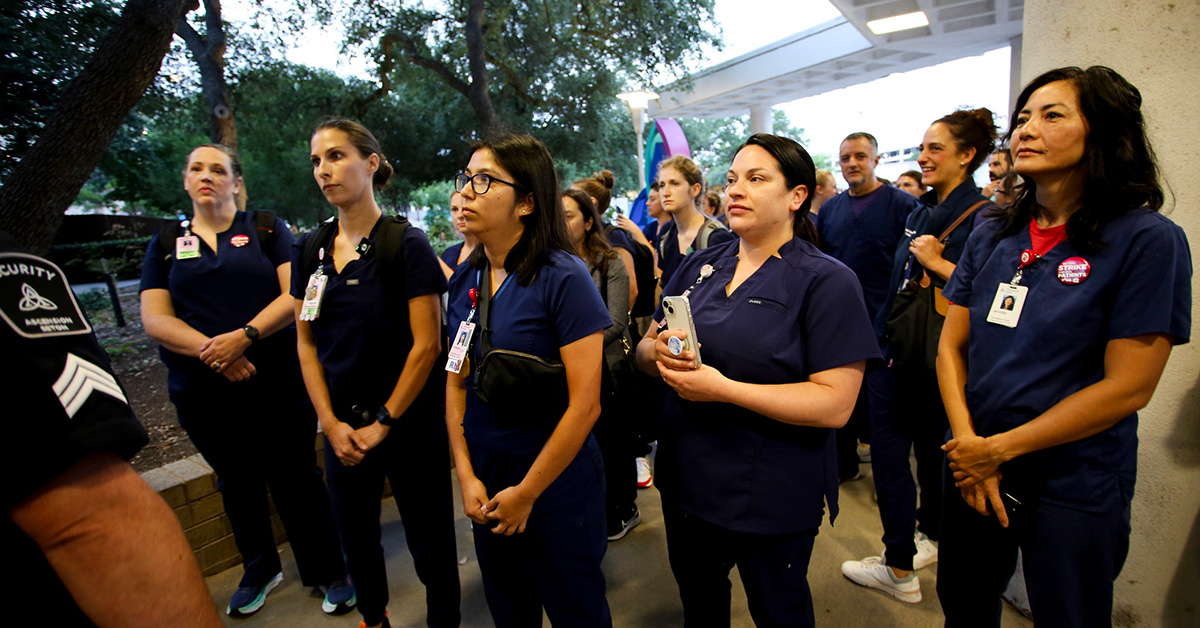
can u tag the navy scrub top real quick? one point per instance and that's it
(670, 260)
(362, 338)
(221, 291)
(930, 218)
(798, 314)
(450, 255)
(866, 242)
(1139, 284)
(560, 306)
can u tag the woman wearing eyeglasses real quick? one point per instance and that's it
(367, 290)
(531, 474)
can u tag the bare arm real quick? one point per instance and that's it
(952, 369)
(168, 330)
(424, 319)
(117, 547)
(582, 359)
(1132, 368)
(474, 494)
(339, 433)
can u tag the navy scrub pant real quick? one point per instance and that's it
(252, 443)
(773, 568)
(907, 415)
(614, 435)
(555, 563)
(415, 458)
(1071, 559)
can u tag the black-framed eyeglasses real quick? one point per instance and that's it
(481, 180)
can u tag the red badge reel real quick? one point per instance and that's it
(1074, 270)
(239, 240)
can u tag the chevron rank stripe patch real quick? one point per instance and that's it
(79, 379)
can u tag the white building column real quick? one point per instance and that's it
(760, 119)
(1153, 44)
(1015, 46)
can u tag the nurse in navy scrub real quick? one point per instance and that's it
(216, 300)
(532, 485)
(367, 343)
(1043, 396)
(746, 459)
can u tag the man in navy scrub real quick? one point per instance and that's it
(85, 539)
(860, 228)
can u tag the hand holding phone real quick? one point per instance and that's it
(678, 314)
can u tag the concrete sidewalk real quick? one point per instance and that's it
(641, 589)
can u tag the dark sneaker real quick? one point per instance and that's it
(340, 597)
(618, 530)
(247, 600)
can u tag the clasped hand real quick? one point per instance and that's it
(928, 249)
(509, 509)
(681, 374)
(221, 352)
(352, 445)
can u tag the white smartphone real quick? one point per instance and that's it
(678, 313)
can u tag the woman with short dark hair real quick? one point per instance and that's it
(1043, 398)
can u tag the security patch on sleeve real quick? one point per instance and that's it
(36, 300)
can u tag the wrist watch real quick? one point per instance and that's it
(251, 332)
(385, 418)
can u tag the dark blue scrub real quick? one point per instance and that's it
(256, 434)
(866, 242)
(450, 255)
(905, 403)
(555, 562)
(363, 338)
(1073, 522)
(669, 255)
(738, 487)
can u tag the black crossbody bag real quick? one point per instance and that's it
(522, 390)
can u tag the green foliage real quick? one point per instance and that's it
(432, 204)
(43, 45)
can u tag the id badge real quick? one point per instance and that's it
(187, 247)
(462, 341)
(311, 308)
(1007, 304)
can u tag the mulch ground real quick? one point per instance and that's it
(135, 359)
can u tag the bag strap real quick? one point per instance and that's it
(315, 241)
(485, 304)
(965, 215)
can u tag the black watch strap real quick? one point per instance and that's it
(385, 418)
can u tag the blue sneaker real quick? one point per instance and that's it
(340, 597)
(247, 600)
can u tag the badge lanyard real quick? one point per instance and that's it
(706, 271)
(466, 329)
(314, 293)
(1010, 297)
(187, 246)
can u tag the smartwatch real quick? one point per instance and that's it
(385, 418)
(251, 332)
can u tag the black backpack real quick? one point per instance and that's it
(643, 270)
(264, 227)
(389, 246)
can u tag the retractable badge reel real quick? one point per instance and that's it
(1009, 299)
(462, 338)
(315, 292)
(187, 246)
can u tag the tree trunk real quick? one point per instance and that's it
(208, 51)
(86, 119)
(481, 100)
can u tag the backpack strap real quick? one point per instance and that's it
(389, 250)
(264, 226)
(710, 225)
(316, 240)
(166, 240)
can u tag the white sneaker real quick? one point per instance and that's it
(927, 552)
(871, 572)
(645, 479)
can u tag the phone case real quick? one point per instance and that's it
(678, 313)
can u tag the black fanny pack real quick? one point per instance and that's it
(521, 390)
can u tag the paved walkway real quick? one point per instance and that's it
(641, 590)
